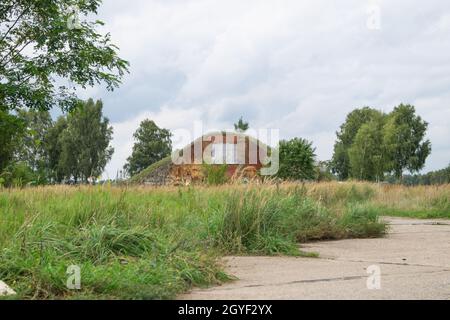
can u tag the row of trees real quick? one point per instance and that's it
(430, 178)
(372, 144)
(74, 148)
(44, 58)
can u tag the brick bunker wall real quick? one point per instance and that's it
(170, 174)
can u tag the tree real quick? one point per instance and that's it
(340, 163)
(371, 144)
(11, 129)
(296, 160)
(438, 177)
(404, 135)
(241, 125)
(53, 147)
(40, 47)
(31, 150)
(85, 149)
(151, 145)
(367, 155)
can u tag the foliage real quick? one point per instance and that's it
(85, 149)
(53, 146)
(367, 154)
(437, 177)
(345, 137)
(39, 48)
(20, 175)
(296, 160)
(145, 243)
(27, 150)
(323, 171)
(371, 144)
(152, 144)
(32, 146)
(404, 140)
(241, 125)
(11, 129)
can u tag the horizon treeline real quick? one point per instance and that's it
(37, 150)
(371, 145)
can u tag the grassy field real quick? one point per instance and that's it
(147, 243)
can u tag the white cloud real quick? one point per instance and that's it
(299, 66)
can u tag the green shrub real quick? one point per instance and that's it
(20, 175)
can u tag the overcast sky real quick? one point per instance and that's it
(299, 66)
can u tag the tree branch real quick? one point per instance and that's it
(14, 24)
(15, 55)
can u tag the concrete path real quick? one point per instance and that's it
(413, 260)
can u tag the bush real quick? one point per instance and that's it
(296, 160)
(19, 175)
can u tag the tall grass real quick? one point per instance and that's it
(215, 174)
(153, 243)
(418, 201)
(394, 200)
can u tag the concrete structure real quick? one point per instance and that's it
(242, 155)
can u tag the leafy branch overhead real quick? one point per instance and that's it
(40, 53)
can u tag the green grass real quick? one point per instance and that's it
(148, 243)
(389, 200)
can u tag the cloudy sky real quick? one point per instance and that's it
(299, 66)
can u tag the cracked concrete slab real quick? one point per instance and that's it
(414, 261)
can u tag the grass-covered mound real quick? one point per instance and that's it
(141, 176)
